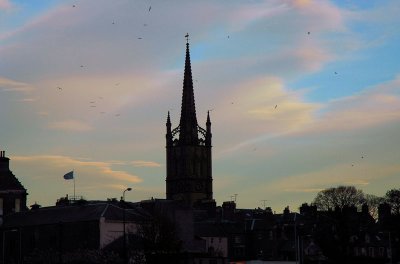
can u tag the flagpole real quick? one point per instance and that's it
(74, 188)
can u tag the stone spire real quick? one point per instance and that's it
(169, 132)
(188, 123)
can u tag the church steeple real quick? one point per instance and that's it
(189, 164)
(188, 123)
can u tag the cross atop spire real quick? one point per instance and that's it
(187, 38)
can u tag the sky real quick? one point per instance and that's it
(303, 95)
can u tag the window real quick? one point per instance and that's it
(371, 252)
(363, 251)
(238, 239)
(381, 251)
(17, 205)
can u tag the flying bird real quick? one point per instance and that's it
(139, 38)
(149, 8)
(276, 106)
(308, 32)
(59, 88)
(335, 72)
(73, 5)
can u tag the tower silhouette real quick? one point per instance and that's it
(188, 147)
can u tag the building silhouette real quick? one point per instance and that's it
(188, 147)
(12, 192)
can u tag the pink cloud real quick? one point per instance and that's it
(5, 4)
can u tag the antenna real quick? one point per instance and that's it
(264, 202)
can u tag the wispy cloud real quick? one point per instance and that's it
(83, 167)
(143, 163)
(263, 101)
(27, 100)
(70, 125)
(372, 107)
(14, 86)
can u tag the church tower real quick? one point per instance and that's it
(189, 170)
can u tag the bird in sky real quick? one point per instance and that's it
(149, 8)
(73, 5)
(139, 38)
(308, 32)
(276, 106)
(336, 73)
(59, 88)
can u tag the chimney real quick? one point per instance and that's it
(4, 161)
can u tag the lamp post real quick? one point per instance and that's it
(123, 222)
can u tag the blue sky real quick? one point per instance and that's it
(86, 85)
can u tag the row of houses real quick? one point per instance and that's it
(155, 230)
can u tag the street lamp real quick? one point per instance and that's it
(123, 194)
(123, 222)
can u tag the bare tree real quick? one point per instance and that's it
(373, 203)
(339, 197)
(159, 234)
(393, 198)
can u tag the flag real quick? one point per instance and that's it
(69, 175)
